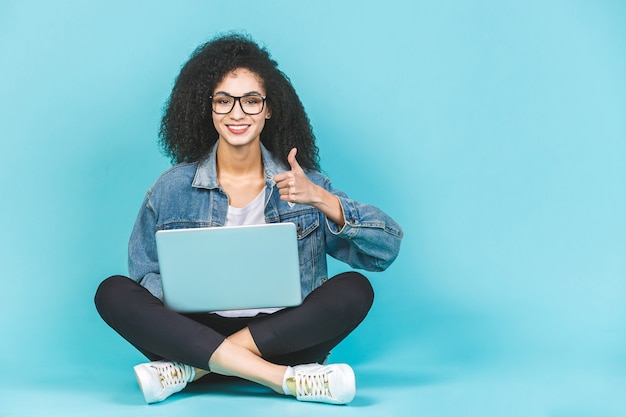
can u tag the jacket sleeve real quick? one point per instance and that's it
(370, 239)
(143, 265)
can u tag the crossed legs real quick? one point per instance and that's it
(257, 349)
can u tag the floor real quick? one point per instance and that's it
(384, 389)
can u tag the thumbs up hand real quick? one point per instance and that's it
(294, 186)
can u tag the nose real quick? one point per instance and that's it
(237, 111)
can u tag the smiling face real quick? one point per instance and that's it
(237, 128)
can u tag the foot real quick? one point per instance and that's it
(332, 384)
(158, 380)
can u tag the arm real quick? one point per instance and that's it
(295, 187)
(143, 265)
(359, 234)
(369, 239)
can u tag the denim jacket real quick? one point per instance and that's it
(188, 195)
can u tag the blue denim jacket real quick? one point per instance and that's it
(188, 195)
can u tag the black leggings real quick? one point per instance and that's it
(292, 336)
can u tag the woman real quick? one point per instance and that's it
(245, 154)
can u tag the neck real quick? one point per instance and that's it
(244, 160)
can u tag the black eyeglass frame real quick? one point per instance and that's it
(238, 99)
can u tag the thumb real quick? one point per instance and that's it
(291, 158)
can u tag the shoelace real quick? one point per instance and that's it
(312, 385)
(171, 374)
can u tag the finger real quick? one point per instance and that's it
(278, 178)
(283, 176)
(284, 179)
(283, 192)
(291, 158)
(288, 195)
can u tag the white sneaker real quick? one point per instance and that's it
(333, 384)
(158, 380)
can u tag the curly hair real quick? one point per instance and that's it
(187, 132)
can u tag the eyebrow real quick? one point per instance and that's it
(250, 93)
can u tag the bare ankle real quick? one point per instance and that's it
(199, 373)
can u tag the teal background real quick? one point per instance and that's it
(494, 132)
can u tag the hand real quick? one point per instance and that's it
(294, 186)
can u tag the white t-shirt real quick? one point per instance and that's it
(252, 213)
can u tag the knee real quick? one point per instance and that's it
(108, 292)
(359, 287)
(357, 294)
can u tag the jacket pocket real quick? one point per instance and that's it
(307, 228)
(172, 225)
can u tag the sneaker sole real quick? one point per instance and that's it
(349, 378)
(141, 373)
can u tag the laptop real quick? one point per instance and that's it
(230, 267)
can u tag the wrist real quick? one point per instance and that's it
(330, 205)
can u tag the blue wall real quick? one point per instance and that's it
(494, 132)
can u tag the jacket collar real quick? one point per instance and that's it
(206, 172)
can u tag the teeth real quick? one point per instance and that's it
(238, 127)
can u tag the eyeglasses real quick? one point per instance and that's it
(251, 104)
